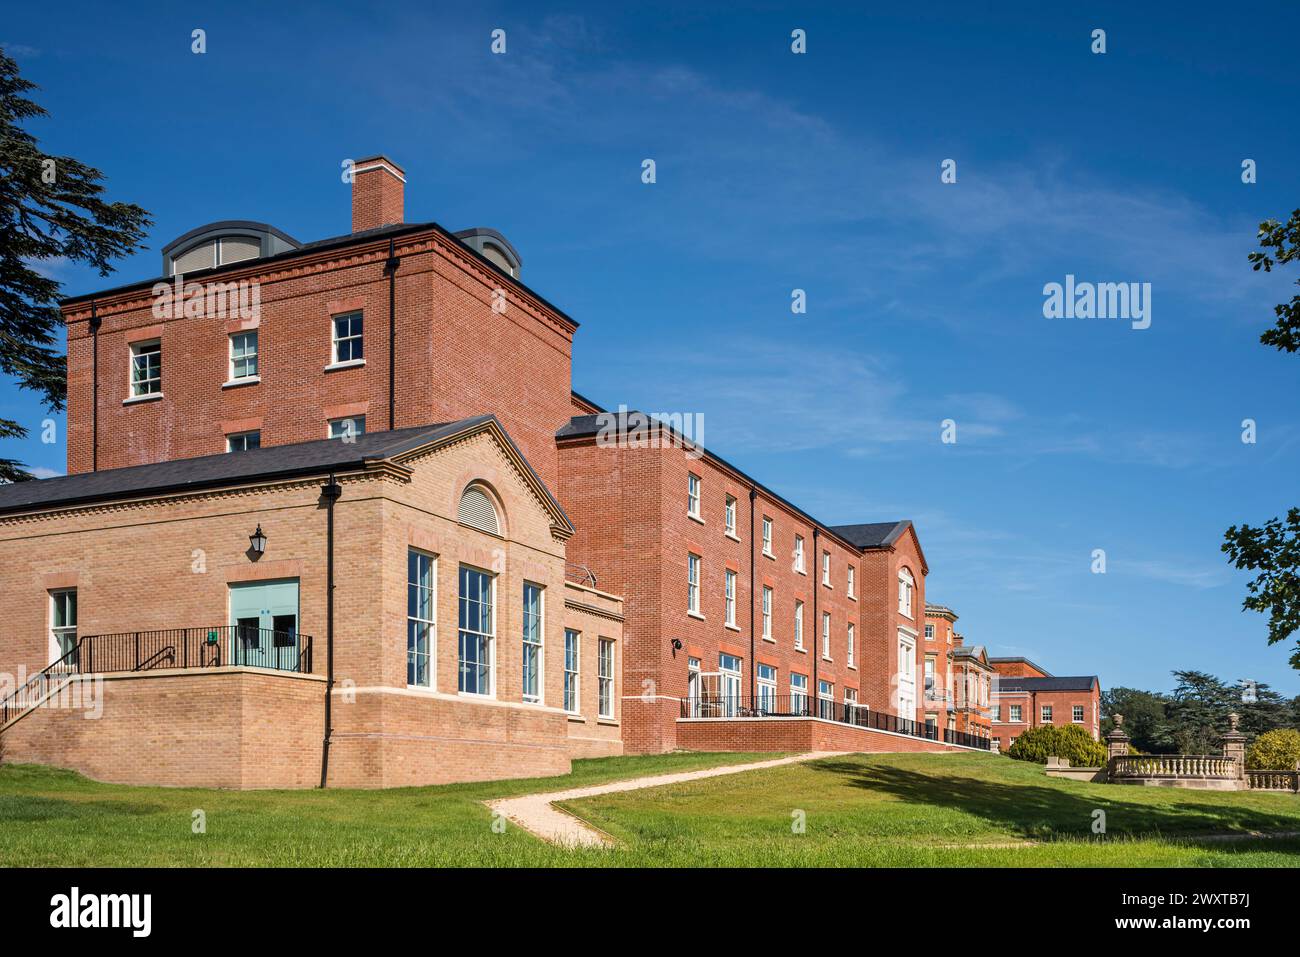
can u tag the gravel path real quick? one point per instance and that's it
(537, 813)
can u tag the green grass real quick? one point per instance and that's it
(872, 810)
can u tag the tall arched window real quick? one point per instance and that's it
(905, 586)
(477, 511)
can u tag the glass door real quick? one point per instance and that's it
(265, 620)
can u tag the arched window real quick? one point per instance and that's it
(477, 511)
(905, 586)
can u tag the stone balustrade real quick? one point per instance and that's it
(1173, 766)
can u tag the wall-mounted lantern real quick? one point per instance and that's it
(258, 541)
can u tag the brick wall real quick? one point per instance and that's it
(798, 734)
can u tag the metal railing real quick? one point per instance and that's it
(1173, 766)
(805, 706)
(35, 689)
(204, 647)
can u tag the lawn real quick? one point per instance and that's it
(874, 810)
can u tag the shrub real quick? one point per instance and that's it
(1274, 751)
(1062, 741)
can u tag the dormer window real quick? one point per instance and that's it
(222, 244)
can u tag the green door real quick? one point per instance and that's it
(265, 620)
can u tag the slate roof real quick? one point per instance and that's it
(1066, 683)
(873, 534)
(276, 462)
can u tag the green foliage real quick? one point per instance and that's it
(1275, 751)
(1285, 334)
(51, 210)
(1145, 716)
(1063, 741)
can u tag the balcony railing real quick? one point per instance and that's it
(206, 647)
(804, 706)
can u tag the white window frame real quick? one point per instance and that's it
(572, 676)
(1015, 714)
(929, 632)
(143, 388)
(767, 537)
(826, 569)
(491, 636)
(729, 596)
(539, 644)
(767, 612)
(255, 357)
(352, 338)
(431, 623)
(798, 626)
(906, 587)
(694, 570)
(63, 638)
(798, 555)
(997, 713)
(798, 691)
(693, 484)
(826, 636)
(1077, 713)
(852, 640)
(766, 685)
(343, 432)
(1045, 713)
(729, 516)
(853, 583)
(230, 439)
(605, 682)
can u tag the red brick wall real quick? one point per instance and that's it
(1062, 704)
(798, 734)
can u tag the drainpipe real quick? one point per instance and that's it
(815, 690)
(95, 323)
(753, 648)
(390, 267)
(330, 493)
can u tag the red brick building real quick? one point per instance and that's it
(958, 677)
(1026, 695)
(337, 501)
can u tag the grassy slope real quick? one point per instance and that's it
(860, 810)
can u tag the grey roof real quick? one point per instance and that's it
(873, 534)
(968, 651)
(1068, 683)
(318, 457)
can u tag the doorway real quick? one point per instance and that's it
(264, 619)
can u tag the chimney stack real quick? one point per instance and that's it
(378, 186)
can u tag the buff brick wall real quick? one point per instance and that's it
(444, 314)
(594, 615)
(799, 734)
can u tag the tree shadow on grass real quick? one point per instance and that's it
(1043, 811)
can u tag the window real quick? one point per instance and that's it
(1045, 714)
(605, 679)
(826, 635)
(929, 632)
(693, 584)
(572, 666)
(767, 612)
(826, 569)
(347, 344)
(798, 693)
(477, 511)
(532, 644)
(348, 429)
(851, 696)
(146, 368)
(243, 441)
(997, 712)
(798, 625)
(852, 650)
(63, 622)
(243, 356)
(729, 515)
(420, 618)
(798, 554)
(730, 597)
(692, 495)
(766, 688)
(853, 584)
(693, 685)
(730, 668)
(477, 631)
(1077, 714)
(1013, 715)
(905, 585)
(826, 700)
(767, 536)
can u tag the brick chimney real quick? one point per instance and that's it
(378, 185)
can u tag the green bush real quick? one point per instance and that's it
(1062, 741)
(1274, 751)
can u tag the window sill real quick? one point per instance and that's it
(694, 517)
(802, 651)
(476, 695)
(576, 718)
(350, 364)
(236, 383)
(852, 667)
(136, 399)
(826, 584)
(768, 638)
(769, 555)
(802, 572)
(734, 538)
(733, 628)
(695, 614)
(610, 722)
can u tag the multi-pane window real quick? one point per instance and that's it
(798, 625)
(243, 356)
(929, 632)
(766, 679)
(767, 535)
(347, 429)
(477, 630)
(243, 441)
(572, 669)
(853, 651)
(532, 643)
(905, 585)
(853, 582)
(997, 712)
(63, 621)
(826, 568)
(1013, 714)
(1077, 715)
(826, 700)
(798, 553)
(420, 618)
(605, 679)
(1045, 714)
(798, 692)
(826, 635)
(767, 611)
(693, 584)
(347, 342)
(693, 495)
(729, 596)
(146, 368)
(730, 515)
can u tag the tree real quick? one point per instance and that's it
(1273, 551)
(50, 209)
(1067, 741)
(1145, 717)
(1198, 713)
(1277, 750)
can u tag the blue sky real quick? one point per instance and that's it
(820, 171)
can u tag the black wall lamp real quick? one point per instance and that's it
(257, 541)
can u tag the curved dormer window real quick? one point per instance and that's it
(222, 244)
(477, 511)
(906, 585)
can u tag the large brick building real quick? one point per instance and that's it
(1027, 695)
(334, 511)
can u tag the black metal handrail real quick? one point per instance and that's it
(202, 647)
(34, 689)
(806, 706)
